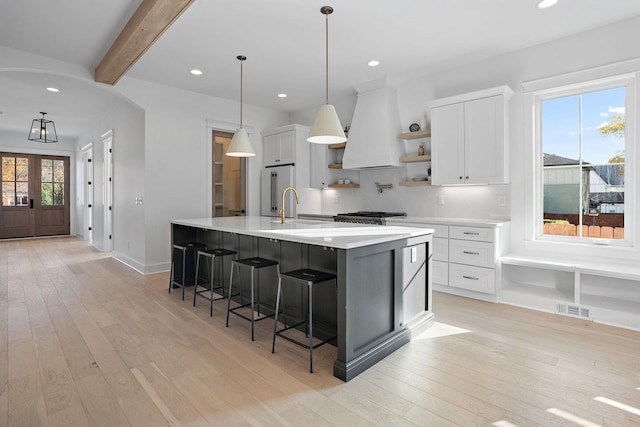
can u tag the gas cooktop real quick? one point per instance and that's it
(373, 214)
(366, 217)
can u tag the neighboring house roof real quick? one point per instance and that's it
(611, 174)
(608, 197)
(555, 160)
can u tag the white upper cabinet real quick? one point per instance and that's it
(288, 145)
(279, 148)
(468, 138)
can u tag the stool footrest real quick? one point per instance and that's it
(304, 344)
(255, 319)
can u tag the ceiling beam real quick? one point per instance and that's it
(147, 24)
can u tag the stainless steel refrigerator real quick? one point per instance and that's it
(274, 180)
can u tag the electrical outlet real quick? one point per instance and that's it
(440, 199)
(501, 201)
(414, 254)
(336, 200)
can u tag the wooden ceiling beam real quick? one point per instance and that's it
(150, 20)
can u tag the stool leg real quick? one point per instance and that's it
(195, 286)
(211, 279)
(275, 321)
(230, 287)
(184, 270)
(173, 250)
(310, 290)
(252, 303)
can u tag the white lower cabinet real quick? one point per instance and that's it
(464, 257)
(472, 278)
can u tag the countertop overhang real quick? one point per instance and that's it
(330, 234)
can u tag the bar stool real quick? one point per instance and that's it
(184, 248)
(307, 277)
(254, 263)
(210, 255)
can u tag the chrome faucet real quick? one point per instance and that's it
(281, 213)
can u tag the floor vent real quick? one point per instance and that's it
(574, 310)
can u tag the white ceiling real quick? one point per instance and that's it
(284, 41)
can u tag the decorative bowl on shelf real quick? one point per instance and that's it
(414, 127)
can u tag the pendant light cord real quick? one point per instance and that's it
(241, 58)
(326, 99)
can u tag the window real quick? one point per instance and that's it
(582, 168)
(52, 182)
(15, 181)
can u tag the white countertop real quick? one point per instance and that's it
(410, 220)
(331, 234)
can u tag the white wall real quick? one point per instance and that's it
(175, 156)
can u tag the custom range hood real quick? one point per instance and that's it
(373, 136)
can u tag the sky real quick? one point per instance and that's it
(561, 125)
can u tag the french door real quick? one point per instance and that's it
(35, 195)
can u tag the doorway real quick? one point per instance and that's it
(35, 195)
(228, 177)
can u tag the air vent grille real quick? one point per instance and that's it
(574, 310)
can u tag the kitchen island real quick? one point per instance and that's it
(383, 277)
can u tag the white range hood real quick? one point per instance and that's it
(373, 136)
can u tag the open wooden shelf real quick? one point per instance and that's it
(413, 159)
(335, 166)
(414, 183)
(344, 186)
(338, 146)
(416, 135)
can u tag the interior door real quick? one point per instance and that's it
(35, 195)
(16, 210)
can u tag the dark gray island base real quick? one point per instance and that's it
(383, 285)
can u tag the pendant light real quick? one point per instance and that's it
(240, 144)
(326, 128)
(43, 130)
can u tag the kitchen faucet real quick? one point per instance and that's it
(281, 213)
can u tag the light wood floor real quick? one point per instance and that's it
(86, 341)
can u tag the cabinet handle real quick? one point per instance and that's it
(460, 177)
(470, 278)
(466, 177)
(471, 233)
(471, 253)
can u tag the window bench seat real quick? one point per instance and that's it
(606, 293)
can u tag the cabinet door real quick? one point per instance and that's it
(271, 146)
(318, 165)
(447, 144)
(484, 140)
(287, 147)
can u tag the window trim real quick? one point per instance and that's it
(565, 85)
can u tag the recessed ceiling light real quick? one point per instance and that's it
(282, 95)
(196, 72)
(543, 4)
(53, 89)
(373, 63)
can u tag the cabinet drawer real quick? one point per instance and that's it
(472, 278)
(472, 233)
(440, 249)
(480, 254)
(440, 272)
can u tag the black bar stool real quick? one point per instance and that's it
(307, 277)
(210, 255)
(254, 263)
(184, 248)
